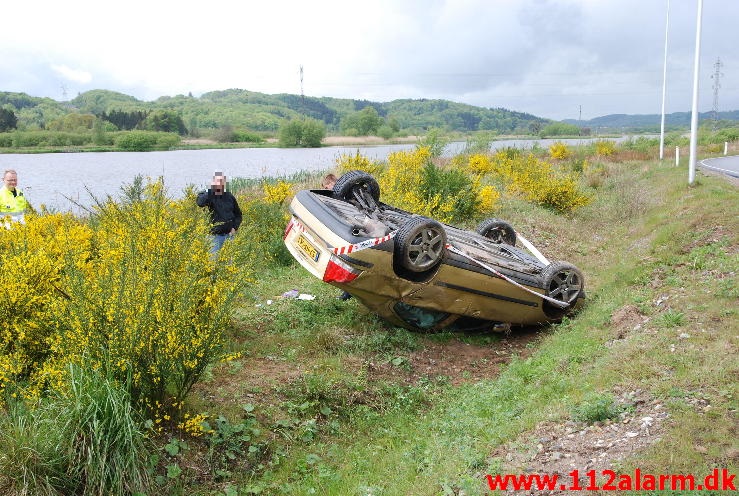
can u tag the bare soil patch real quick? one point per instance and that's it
(561, 447)
(255, 380)
(625, 320)
(259, 379)
(456, 360)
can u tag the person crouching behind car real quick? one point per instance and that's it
(329, 180)
(225, 214)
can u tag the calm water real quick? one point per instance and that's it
(55, 178)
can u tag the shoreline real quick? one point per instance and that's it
(329, 141)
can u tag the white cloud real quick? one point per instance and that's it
(73, 75)
(545, 57)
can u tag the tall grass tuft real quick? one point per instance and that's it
(30, 460)
(596, 407)
(106, 448)
(85, 440)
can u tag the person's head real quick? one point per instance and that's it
(10, 179)
(219, 183)
(328, 181)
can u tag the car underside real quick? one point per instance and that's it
(421, 274)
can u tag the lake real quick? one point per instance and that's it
(60, 179)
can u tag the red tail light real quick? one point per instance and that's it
(339, 271)
(288, 228)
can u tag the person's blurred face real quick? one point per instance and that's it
(10, 179)
(219, 184)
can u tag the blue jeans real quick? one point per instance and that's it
(218, 240)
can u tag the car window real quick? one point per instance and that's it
(471, 324)
(421, 318)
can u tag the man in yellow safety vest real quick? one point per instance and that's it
(12, 201)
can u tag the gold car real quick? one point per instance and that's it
(420, 274)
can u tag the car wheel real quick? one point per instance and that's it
(498, 231)
(420, 244)
(563, 282)
(356, 183)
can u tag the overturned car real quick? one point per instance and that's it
(421, 274)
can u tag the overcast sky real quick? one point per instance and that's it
(544, 57)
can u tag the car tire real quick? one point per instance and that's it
(356, 180)
(498, 231)
(564, 282)
(420, 245)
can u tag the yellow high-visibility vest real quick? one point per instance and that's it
(12, 204)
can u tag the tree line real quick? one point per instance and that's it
(266, 114)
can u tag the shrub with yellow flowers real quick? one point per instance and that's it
(538, 181)
(605, 148)
(559, 151)
(132, 292)
(33, 257)
(347, 162)
(412, 181)
(479, 164)
(277, 193)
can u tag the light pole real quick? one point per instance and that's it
(664, 88)
(694, 117)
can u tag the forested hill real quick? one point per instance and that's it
(265, 113)
(650, 122)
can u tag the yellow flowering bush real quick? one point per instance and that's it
(346, 162)
(411, 181)
(399, 183)
(132, 292)
(538, 181)
(559, 151)
(277, 193)
(480, 164)
(605, 148)
(32, 257)
(263, 239)
(487, 197)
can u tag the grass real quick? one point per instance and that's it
(648, 241)
(327, 399)
(86, 441)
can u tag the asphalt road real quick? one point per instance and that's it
(724, 165)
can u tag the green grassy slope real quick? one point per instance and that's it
(354, 407)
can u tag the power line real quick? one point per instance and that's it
(716, 85)
(302, 95)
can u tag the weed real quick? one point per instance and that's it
(434, 142)
(596, 407)
(671, 319)
(325, 390)
(232, 443)
(728, 288)
(328, 340)
(385, 342)
(401, 362)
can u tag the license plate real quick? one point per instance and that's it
(307, 248)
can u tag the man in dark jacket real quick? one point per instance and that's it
(225, 213)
